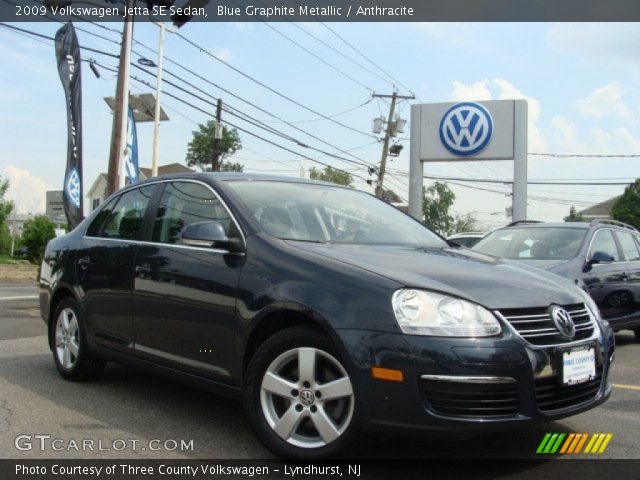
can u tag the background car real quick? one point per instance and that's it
(466, 239)
(603, 257)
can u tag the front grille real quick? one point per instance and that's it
(551, 395)
(471, 399)
(536, 326)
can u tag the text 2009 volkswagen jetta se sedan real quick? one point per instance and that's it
(325, 309)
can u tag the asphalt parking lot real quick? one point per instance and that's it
(128, 405)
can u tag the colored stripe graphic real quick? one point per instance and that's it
(573, 443)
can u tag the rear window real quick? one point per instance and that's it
(539, 243)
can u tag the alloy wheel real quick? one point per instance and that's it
(67, 338)
(307, 397)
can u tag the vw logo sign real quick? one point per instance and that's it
(466, 129)
(563, 322)
(72, 188)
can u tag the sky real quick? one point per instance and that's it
(581, 81)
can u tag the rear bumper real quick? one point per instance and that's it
(462, 384)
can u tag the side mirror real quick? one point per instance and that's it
(598, 257)
(209, 234)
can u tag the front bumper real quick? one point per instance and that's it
(457, 383)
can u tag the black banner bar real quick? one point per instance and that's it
(181, 11)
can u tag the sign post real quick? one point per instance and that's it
(469, 131)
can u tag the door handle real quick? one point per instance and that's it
(84, 262)
(143, 269)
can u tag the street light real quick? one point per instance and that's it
(156, 125)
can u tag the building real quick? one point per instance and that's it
(96, 194)
(15, 222)
(600, 210)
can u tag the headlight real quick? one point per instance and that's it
(427, 313)
(591, 305)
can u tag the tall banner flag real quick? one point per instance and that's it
(68, 57)
(131, 151)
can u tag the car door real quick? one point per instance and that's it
(184, 296)
(606, 281)
(631, 254)
(105, 267)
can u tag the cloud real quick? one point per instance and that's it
(604, 102)
(222, 53)
(612, 40)
(501, 89)
(242, 26)
(27, 191)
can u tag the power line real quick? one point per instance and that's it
(267, 87)
(397, 82)
(341, 54)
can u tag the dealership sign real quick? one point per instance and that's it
(469, 131)
(461, 131)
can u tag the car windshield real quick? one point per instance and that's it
(322, 213)
(533, 243)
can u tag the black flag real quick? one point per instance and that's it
(68, 57)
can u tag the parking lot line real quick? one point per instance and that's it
(627, 387)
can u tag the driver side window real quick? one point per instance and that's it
(603, 242)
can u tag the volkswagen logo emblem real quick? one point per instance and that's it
(466, 129)
(307, 397)
(563, 321)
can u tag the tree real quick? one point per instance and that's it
(464, 223)
(574, 216)
(627, 207)
(333, 175)
(437, 200)
(200, 149)
(36, 233)
(390, 196)
(232, 167)
(6, 206)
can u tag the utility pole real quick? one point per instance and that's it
(389, 132)
(156, 116)
(115, 177)
(215, 160)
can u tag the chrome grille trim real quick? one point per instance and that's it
(537, 327)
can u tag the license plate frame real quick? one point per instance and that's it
(577, 365)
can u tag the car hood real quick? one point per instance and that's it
(494, 283)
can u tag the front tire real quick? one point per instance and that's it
(71, 353)
(299, 396)
(637, 333)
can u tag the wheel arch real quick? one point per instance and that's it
(280, 319)
(58, 295)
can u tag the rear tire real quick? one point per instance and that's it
(637, 332)
(299, 396)
(71, 354)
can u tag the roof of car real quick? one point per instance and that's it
(593, 224)
(226, 176)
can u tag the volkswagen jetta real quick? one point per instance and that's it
(328, 311)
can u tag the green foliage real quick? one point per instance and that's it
(200, 149)
(6, 206)
(390, 196)
(627, 208)
(36, 233)
(232, 167)
(437, 200)
(574, 216)
(333, 175)
(5, 240)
